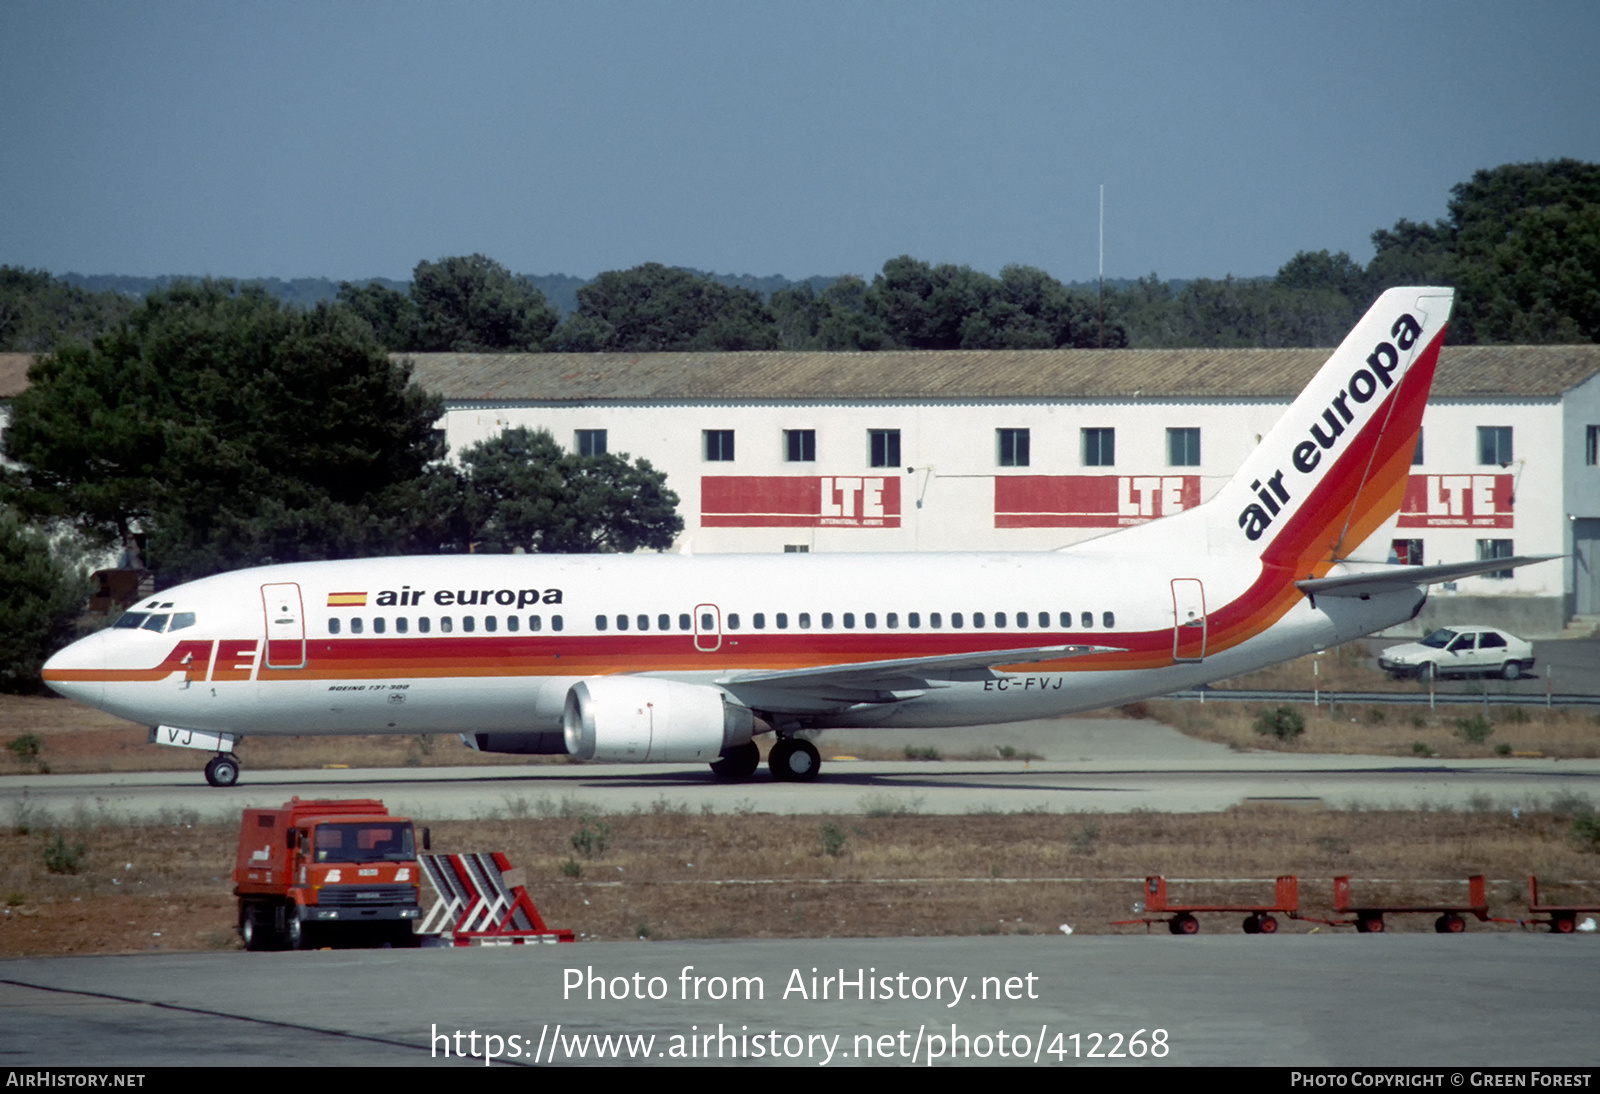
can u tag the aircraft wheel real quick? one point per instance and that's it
(1449, 923)
(223, 770)
(794, 760)
(1252, 924)
(1185, 924)
(1512, 670)
(739, 762)
(1267, 925)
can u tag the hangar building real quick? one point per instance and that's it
(1032, 450)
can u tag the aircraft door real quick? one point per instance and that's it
(1188, 619)
(286, 626)
(707, 628)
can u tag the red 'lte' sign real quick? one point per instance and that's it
(1090, 501)
(789, 501)
(1457, 501)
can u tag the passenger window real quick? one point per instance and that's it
(556, 623)
(445, 625)
(955, 621)
(805, 621)
(512, 622)
(379, 625)
(491, 622)
(733, 621)
(1066, 621)
(759, 621)
(827, 621)
(643, 622)
(708, 622)
(1087, 619)
(1044, 621)
(663, 622)
(872, 620)
(1486, 640)
(1109, 619)
(181, 621)
(469, 623)
(977, 619)
(599, 622)
(355, 625)
(333, 626)
(783, 621)
(850, 621)
(424, 625)
(622, 622)
(157, 623)
(892, 620)
(684, 622)
(934, 621)
(535, 623)
(402, 625)
(913, 620)
(999, 619)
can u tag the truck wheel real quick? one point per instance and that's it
(257, 937)
(223, 770)
(296, 935)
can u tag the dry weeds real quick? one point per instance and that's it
(672, 875)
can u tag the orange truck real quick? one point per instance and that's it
(320, 872)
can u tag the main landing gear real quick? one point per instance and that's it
(794, 760)
(738, 763)
(223, 770)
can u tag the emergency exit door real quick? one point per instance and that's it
(286, 626)
(1188, 619)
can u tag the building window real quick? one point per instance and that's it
(1013, 447)
(1494, 445)
(591, 442)
(1591, 446)
(883, 447)
(719, 445)
(1407, 552)
(800, 445)
(1183, 447)
(797, 548)
(1494, 548)
(1099, 448)
(1416, 453)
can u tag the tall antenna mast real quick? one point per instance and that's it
(1100, 339)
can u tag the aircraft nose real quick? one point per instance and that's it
(78, 670)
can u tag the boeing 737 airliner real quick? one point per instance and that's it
(670, 658)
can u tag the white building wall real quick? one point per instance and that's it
(949, 499)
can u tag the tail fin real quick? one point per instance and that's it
(1334, 467)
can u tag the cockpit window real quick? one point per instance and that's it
(157, 622)
(131, 620)
(180, 620)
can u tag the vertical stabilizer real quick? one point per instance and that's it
(1334, 467)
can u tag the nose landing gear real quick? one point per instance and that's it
(223, 770)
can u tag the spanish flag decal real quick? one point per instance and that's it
(347, 600)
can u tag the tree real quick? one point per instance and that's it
(654, 308)
(42, 590)
(234, 430)
(393, 316)
(834, 319)
(37, 311)
(524, 491)
(473, 304)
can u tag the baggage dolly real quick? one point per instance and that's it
(1368, 918)
(1563, 917)
(1258, 919)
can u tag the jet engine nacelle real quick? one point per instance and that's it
(632, 718)
(547, 743)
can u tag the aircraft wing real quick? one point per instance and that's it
(1397, 576)
(880, 674)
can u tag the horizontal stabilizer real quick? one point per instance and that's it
(1393, 577)
(864, 673)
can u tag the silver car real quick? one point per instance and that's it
(1467, 649)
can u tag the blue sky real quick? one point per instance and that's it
(354, 139)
